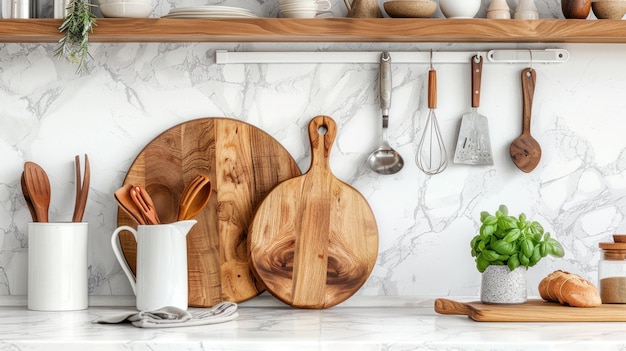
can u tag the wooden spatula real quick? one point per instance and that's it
(525, 150)
(38, 186)
(82, 190)
(27, 199)
(313, 240)
(126, 203)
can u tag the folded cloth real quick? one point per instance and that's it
(171, 317)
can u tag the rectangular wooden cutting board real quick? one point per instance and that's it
(533, 310)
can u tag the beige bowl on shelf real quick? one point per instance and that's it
(609, 9)
(126, 9)
(410, 8)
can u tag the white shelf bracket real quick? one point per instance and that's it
(223, 57)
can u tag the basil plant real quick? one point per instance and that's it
(511, 241)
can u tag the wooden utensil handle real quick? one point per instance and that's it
(529, 78)
(445, 306)
(477, 70)
(322, 133)
(432, 89)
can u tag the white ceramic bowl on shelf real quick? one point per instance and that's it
(459, 8)
(126, 9)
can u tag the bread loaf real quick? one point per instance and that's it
(569, 289)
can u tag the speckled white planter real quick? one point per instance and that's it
(501, 286)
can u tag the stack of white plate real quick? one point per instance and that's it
(210, 11)
(126, 8)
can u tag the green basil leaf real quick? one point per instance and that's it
(512, 235)
(490, 255)
(486, 230)
(513, 262)
(504, 210)
(536, 256)
(480, 246)
(481, 263)
(556, 249)
(503, 258)
(527, 248)
(474, 241)
(504, 248)
(483, 216)
(523, 259)
(507, 222)
(491, 220)
(544, 248)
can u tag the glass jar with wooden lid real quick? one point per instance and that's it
(612, 270)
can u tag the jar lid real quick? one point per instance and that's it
(618, 244)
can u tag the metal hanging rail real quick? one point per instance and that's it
(492, 56)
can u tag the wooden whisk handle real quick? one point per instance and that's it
(432, 89)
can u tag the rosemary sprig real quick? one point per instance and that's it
(79, 22)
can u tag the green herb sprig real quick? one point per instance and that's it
(511, 241)
(79, 22)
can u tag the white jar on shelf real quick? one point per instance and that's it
(498, 9)
(526, 9)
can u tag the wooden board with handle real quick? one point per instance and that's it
(314, 239)
(244, 164)
(534, 310)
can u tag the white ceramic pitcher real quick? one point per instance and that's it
(161, 264)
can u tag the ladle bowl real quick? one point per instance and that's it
(385, 160)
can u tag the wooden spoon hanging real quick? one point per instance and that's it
(525, 150)
(314, 240)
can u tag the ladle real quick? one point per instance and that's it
(195, 196)
(385, 160)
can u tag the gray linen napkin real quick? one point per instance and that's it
(171, 317)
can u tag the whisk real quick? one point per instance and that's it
(431, 155)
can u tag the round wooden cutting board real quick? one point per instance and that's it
(314, 239)
(244, 164)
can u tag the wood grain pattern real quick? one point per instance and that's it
(325, 30)
(314, 239)
(532, 311)
(244, 164)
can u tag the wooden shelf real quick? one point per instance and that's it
(325, 30)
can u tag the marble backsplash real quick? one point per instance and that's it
(135, 91)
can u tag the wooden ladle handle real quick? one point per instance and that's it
(529, 78)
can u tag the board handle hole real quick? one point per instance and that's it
(322, 130)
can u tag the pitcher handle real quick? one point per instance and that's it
(117, 249)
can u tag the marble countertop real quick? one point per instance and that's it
(389, 326)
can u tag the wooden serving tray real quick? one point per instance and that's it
(532, 311)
